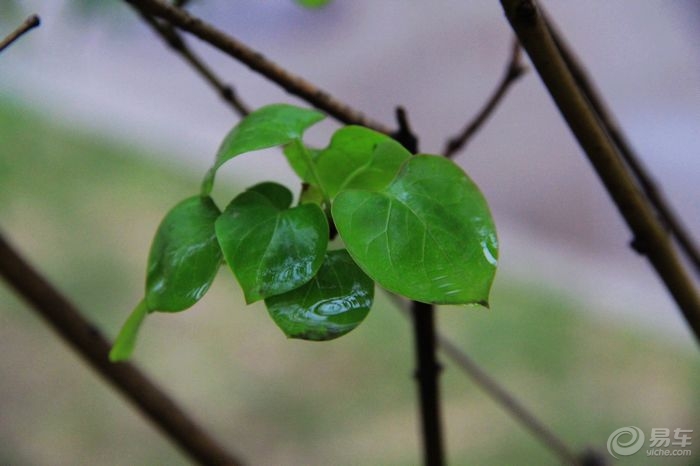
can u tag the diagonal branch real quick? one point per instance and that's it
(646, 181)
(507, 401)
(514, 70)
(499, 393)
(256, 61)
(28, 24)
(171, 37)
(650, 236)
(84, 337)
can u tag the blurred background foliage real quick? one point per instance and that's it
(83, 206)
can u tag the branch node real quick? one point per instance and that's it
(405, 134)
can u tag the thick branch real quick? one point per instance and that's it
(256, 61)
(171, 37)
(87, 340)
(646, 181)
(650, 235)
(28, 24)
(514, 70)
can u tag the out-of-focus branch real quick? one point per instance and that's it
(498, 393)
(514, 70)
(650, 236)
(87, 340)
(28, 24)
(646, 181)
(171, 37)
(256, 61)
(507, 401)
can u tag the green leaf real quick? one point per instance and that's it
(333, 303)
(278, 195)
(184, 257)
(269, 126)
(359, 158)
(313, 3)
(428, 235)
(297, 160)
(126, 340)
(271, 250)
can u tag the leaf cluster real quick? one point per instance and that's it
(414, 224)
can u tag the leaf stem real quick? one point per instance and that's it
(126, 340)
(311, 166)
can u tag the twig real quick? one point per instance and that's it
(87, 340)
(498, 393)
(650, 235)
(178, 44)
(514, 70)
(28, 24)
(256, 61)
(427, 367)
(646, 181)
(512, 406)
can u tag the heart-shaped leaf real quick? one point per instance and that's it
(269, 126)
(359, 158)
(428, 235)
(271, 249)
(184, 256)
(333, 303)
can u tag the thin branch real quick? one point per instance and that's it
(498, 393)
(171, 37)
(650, 236)
(514, 70)
(291, 83)
(28, 24)
(646, 181)
(87, 340)
(512, 406)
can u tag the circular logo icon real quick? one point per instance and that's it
(620, 444)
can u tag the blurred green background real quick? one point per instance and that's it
(83, 208)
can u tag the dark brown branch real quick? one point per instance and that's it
(646, 181)
(650, 236)
(28, 24)
(427, 375)
(178, 44)
(87, 340)
(291, 83)
(514, 70)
